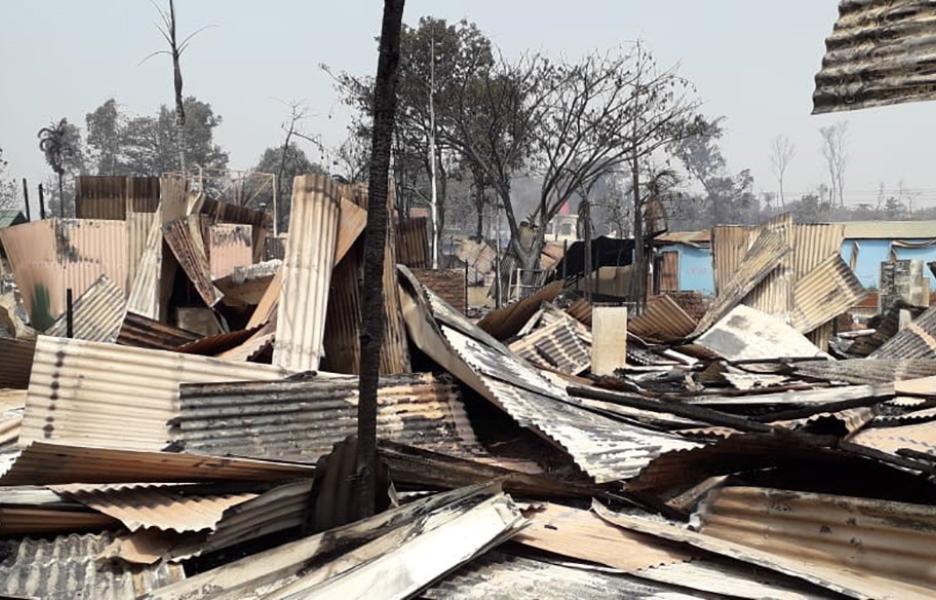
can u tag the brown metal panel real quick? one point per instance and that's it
(826, 292)
(505, 322)
(663, 320)
(774, 295)
(879, 53)
(729, 245)
(669, 271)
(449, 284)
(228, 246)
(916, 340)
(16, 363)
(183, 236)
(413, 243)
(101, 197)
(143, 332)
(97, 314)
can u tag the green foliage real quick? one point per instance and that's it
(286, 165)
(40, 310)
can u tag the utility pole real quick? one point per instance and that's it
(26, 199)
(375, 237)
(434, 206)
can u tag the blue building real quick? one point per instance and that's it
(684, 258)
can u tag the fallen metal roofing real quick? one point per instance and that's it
(867, 370)
(507, 576)
(67, 567)
(17, 362)
(729, 245)
(144, 332)
(406, 532)
(765, 254)
(862, 546)
(746, 333)
(351, 223)
(663, 320)
(31, 510)
(310, 256)
(580, 310)
(215, 345)
(916, 340)
(829, 290)
(42, 463)
(605, 449)
(184, 238)
(228, 246)
(918, 437)
(104, 394)
(97, 315)
(144, 289)
(879, 53)
(505, 322)
(557, 346)
(413, 243)
(774, 295)
(302, 420)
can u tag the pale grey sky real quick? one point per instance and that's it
(753, 61)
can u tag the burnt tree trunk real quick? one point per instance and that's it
(375, 235)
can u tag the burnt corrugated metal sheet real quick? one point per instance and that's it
(765, 255)
(774, 295)
(17, 361)
(867, 370)
(814, 243)
(503, 323)
(605, 449)
(143, 332)
(42, 463)
(557, 346)
(351, 225)
(506, 576)
(214, 345)
(144, 289)
(229, 246)
(307, 268)
(138, 230)
(67, 567)
(93, 393)
(98, 314)
(663, 320)
(878, 548)
(184, 238)
(829, 289)
(303, 420)
(413, 243)
(916, 340)
(746, 333)
(729, 245)
(260, 221)
(115, 197)
(879, 53)
(581, 311)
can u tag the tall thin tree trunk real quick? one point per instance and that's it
(177, 86)
(639, 278)
(61, 195)
(375, 235)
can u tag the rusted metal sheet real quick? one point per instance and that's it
(746, 333)
(605, 449)
(214, 345)
(67, 567)
(301, 420)
(774, 295)
(138, 230)
(663, 320)
(581, 310)
(879, 53)
(184, 238)
(310, 255)
(260, 221)
(447, 283)
(814, 243)
(479, 257)
(413, 243)
(829, 289)
(92, 393)
(229, 246)
(555, 346)
(17, 362)
(667, 272)
(146, 333)
(42, 463)
(729, 245)
(865, 370)
(820, 534)
(503, 323)
(32, 511)
(919, 437)
(115, 197)
(97, 314)
(144, 295)
(766, 254)
(452, 527)
(351, 225)
(916, 340)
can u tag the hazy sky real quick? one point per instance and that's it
(752, 61)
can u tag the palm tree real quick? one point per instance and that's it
(61, 144)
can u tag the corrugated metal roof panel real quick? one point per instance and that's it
(555, 345)
(879, 53)
(303, 420)
(101, 197)
(581, 311)
(505, 322)
(351, 225)
(815, 242)
(17, 362)
(867, 370)
(185, 240)
(42, 463)
(774, 295)
(229, 246)
(916, 340)
(413, 243)
(729, 245)
(143, 332)
(94, 393)
(98, 314)
(138, 230)
(307, 268)
(820, 533)
(144, 289)
(663, 320)
(830, 289)
(67, 567)
(605, 449)
(889, 230)
(747, 333)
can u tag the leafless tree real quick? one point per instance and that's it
(834, 150)
(782, 151)
(375, 235)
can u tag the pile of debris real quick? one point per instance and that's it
(183, 426)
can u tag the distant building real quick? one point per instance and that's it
(562, 228)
